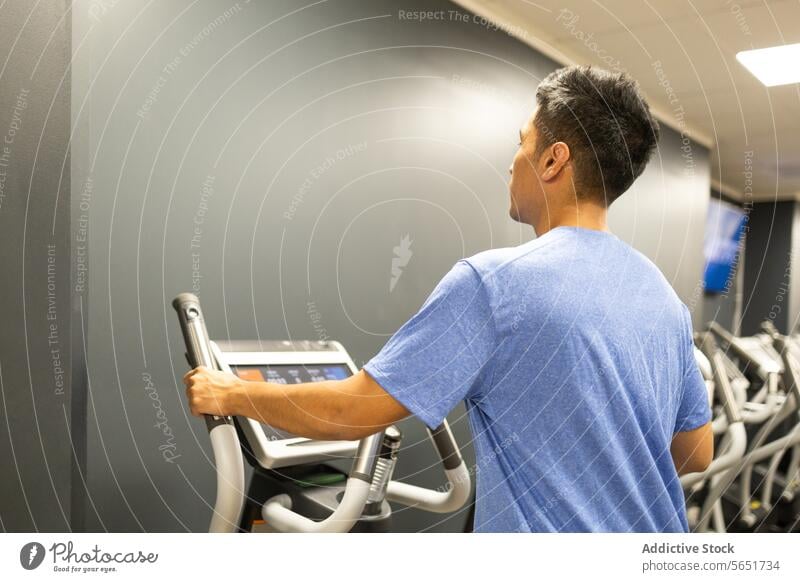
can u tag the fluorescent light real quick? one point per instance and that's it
(773, 66)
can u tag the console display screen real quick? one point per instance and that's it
(290, 374)
(293, 373)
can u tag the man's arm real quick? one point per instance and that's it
(693, 450)
(348, 409)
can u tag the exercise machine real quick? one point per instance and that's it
(710, 484)
(755, 383)
(785, 509)
(771, 432)
(297, 484)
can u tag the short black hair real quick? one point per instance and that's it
(605, 121)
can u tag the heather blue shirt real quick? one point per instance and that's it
(574, 358)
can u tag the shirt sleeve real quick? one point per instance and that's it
(442, 354)
(693, 410)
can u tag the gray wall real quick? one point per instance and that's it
(272, 162)
(771, 274)
(793, 315)
(39, 418)
(721, 307)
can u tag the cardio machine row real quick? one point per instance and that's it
(753, 482)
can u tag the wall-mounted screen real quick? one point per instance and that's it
(725, 225)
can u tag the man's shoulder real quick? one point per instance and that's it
(656, 275)
(493, 262)
(501, 268)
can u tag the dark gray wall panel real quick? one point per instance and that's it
(272, 162)
(767, 270)
(36, 400)
(721, 308)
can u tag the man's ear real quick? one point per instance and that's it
(554, 159)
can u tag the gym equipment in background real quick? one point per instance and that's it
(732, 446)
(754, 379)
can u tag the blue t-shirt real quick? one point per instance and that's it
(574, 357)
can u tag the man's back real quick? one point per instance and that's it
(576, 366)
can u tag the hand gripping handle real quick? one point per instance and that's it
(224, 440)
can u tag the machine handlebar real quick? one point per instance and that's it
(224, 440)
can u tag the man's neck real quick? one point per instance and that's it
(584, 215)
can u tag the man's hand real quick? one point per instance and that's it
(211, 391)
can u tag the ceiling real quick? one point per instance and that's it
(696, 42)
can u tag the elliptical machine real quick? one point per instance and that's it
(729, 423)
(761, 391)
(785, 508)
(294, 486)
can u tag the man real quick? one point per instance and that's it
(572, 352)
